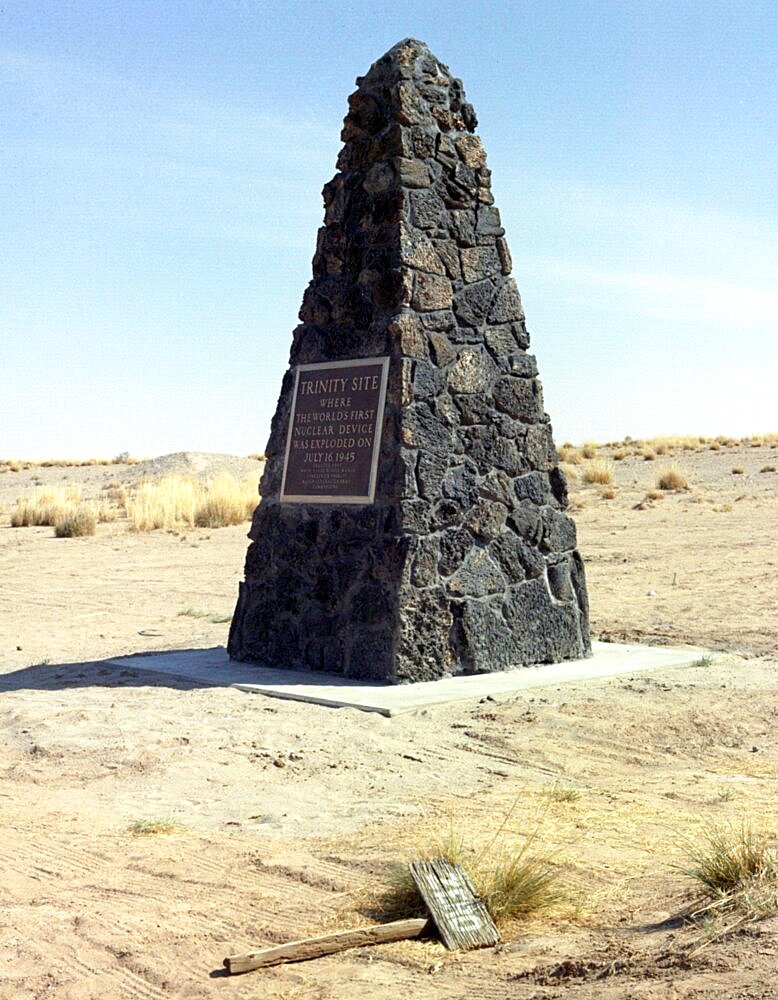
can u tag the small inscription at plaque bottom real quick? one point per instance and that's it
(335, 432)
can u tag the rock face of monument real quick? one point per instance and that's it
(458, 558)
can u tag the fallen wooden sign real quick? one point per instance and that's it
(459, 915)
(297, 951)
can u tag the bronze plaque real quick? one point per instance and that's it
(335, 432)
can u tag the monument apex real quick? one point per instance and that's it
(411, 522)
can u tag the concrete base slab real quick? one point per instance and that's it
(214, 667)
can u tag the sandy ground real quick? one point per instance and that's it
(286, 815)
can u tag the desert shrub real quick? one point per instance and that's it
(166, 503)
(589, 449)
(649, 455)
(767, 468)
(598, 471)
(563, 793)
(176, 501)
(510, 880)
(620, 455)
(609, 493)
(154, 827)
(671, 478)
(570, 455)
(76, 523)
(226, 501)
(736, 869)
(44, 508)
(738, 470)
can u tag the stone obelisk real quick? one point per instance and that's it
(411, 522)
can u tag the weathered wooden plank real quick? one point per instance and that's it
(298, 951)
(460, 916)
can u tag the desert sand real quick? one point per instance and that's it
(284, 816)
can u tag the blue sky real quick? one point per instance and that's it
(162, 165)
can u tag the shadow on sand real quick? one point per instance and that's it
(110, 674)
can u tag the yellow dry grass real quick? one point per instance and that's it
(178, 501)
(600, 471)
(165, 503)
(513, 874)
(569, 455)
(45, 507)
(671, 478)
(226, 501)
(669, 443)
(589, 449)
(16, 464)
(76, 523)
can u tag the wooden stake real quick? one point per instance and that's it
(298, 951)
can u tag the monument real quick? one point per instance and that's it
(411, 523)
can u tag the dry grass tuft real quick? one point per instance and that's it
(767, 468)
(563, 793)
(570, 455)
(609, 493)
(226, 502)
(599, 471)
(590, 449)
(729, 857)
(46, 507)
(738, 873)
(510, 878)
(176, 501)
(738, 470)
(76, 523)
(672, 478)
(649, 455)
(15, 464)
(166, 503)
(153, 827)
(214, 619)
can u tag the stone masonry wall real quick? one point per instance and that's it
(466, 562)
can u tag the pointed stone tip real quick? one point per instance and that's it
(406, 52)
(409, 43)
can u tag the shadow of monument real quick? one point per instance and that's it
(101, 673)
